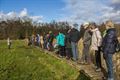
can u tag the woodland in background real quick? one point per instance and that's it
(19, 29)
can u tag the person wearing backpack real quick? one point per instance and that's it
(96, 45)
(109, 47)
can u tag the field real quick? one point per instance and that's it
(29, 63)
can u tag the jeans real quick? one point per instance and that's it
(109, 63)
(85, 54)
(74, 50)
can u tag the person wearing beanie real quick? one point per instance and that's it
(74, 38)
(85, 59)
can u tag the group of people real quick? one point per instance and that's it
(105, 43)
(93, 39)
(42, 41)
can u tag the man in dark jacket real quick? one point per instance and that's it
(109, 47)
(68, 46)
(74, 38)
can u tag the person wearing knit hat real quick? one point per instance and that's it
(86, 24)
(74, 38)
(85, 59)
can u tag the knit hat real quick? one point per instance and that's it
(86, 25)
(75, 26)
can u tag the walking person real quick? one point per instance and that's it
(108, 48)
(96, 45)
(74, 38)
(85, 59)
(9, 43)
(61, 43)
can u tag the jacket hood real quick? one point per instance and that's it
(74, 29)
(111, 29)
(61, 34)
(96, 29)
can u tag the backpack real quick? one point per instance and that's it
(117, 46)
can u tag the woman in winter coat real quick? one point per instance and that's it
(61, 43)
(96, 44)
(109, 48)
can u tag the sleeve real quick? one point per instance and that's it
(99, 38)
(110, 37)
(87, 36)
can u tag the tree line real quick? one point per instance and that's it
(20, 30)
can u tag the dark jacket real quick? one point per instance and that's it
(109, 41)
(87, 37)
(74, 35)
(51, 37)
(67, 41)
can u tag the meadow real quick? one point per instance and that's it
(29, 63)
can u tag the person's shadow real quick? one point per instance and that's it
(82, 76)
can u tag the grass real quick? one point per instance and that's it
(28, 63)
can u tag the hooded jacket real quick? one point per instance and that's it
(96, 39)
(61, 39)
(109, 41)
(87, 37)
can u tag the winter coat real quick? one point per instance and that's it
(74, 35)
(41, 40)
(51, 37)
(87, 37)
(61, 39)
(109, 41)
(96, 39)
(67, 41)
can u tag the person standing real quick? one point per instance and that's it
(41, 42)
(74, 38)
(38, 40)
(61, 43)
(109, 47)
(50, 41)
(9, 43)
(68, 46)
(96, 45)
(86, 44)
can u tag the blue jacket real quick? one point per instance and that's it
(61, 39)
(109, 41)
